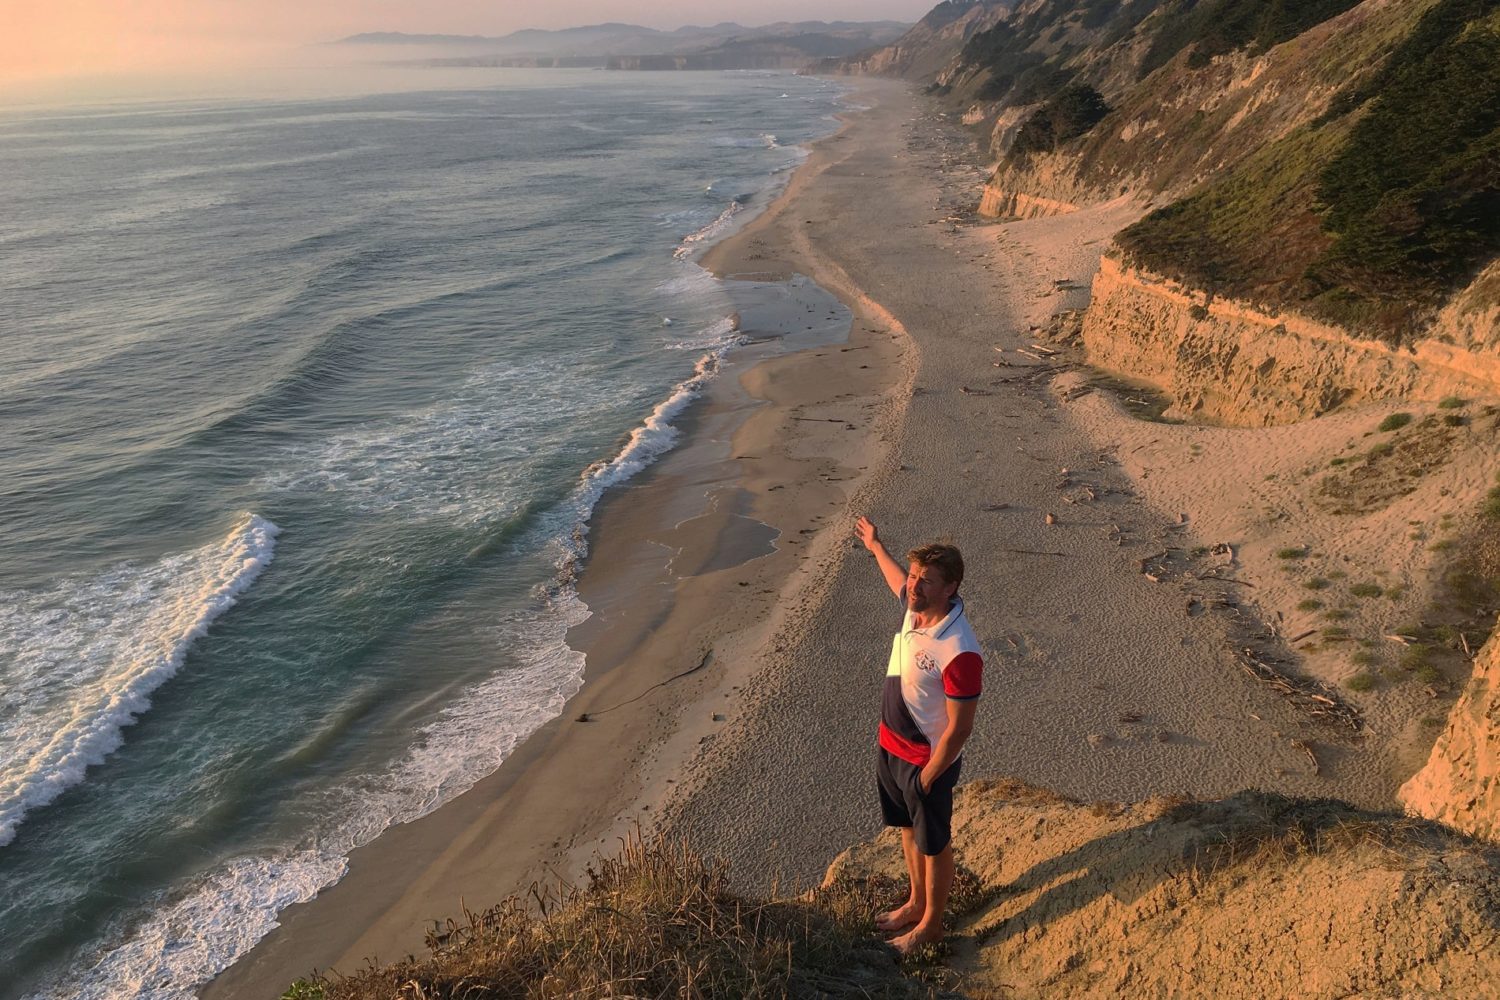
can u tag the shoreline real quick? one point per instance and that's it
(586, 784)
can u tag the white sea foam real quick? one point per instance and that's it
(89, 654)
(691, 240)
(656, 435)
(168, 953)
(192, 937)
(720, 333)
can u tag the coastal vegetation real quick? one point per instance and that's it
(1371, 215)
(1066, 116)
(657, 920)
(1208, 28)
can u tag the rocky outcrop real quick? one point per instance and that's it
(1229, 362)
(1460, 784)
(998, 203)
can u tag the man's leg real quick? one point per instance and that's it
(938, 875)
(915, 906)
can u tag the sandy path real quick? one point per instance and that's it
(1099, 682)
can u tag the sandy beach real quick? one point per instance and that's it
(738, 639)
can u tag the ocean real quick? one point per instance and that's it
(304, 409)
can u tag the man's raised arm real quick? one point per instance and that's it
(894, 572)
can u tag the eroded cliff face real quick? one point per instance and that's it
(1460, 784)
(1230, 363)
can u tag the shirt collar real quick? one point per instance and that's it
(955, 611)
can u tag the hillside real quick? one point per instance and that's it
(1332, 166)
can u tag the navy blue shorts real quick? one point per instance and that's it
(929, 814)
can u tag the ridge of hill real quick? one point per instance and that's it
(600, 41)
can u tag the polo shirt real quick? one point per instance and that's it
(926, 668)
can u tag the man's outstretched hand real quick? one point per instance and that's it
(868, 536)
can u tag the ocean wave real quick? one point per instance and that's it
(690, 242)
(89, 656)
(170, 952)
(176, 948)
(655, 435)
(721, 333)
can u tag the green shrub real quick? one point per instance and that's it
(1310, 604)
(1071, 113)
(1428, 674)
(1366, 590)
(1338, 614)
(1491, 508)
(1361, 682)
(1317, 583)
(1452, 402)
(1454, 420)
(1291, 553)
(1415, 656)
(1363, 658)
(1394, 422)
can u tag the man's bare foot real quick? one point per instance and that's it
(900, 918)
(919, 935)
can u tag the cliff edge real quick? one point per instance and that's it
(1255, 895)
(1460, 784)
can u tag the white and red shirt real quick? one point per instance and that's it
(927, 667)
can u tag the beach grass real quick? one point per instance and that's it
(655, 921)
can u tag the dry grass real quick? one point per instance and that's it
(1270, 832)
(1362, 483)
(655, 922)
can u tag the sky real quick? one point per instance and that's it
(54, 39)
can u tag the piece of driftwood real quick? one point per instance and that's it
(1318, 702)
(1312, 755)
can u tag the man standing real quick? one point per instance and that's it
(932, 684)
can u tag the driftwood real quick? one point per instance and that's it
(1312, 755)
(1317, 701)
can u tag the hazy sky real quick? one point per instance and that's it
(53, 38)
